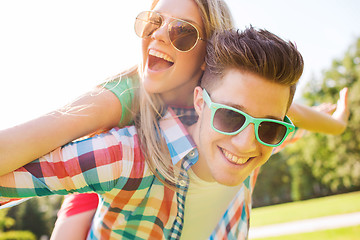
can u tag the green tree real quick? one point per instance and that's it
(6, 223)
(335, 160)
(28, 216)
(273, 184)
(36, 215)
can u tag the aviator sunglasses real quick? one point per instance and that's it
(230, 121)
(182, 34)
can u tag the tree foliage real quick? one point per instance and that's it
(37, 215)
(7, 222)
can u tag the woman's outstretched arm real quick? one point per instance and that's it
(311, 119)
(19, 145)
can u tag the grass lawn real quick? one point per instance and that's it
(313, 208)
(348, 233)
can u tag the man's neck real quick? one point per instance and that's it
(200, 165)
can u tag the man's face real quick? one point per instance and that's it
(229, 159)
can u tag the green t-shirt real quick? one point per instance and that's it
(123, 88)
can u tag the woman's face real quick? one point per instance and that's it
(167, 71)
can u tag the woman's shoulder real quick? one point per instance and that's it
(122, 82)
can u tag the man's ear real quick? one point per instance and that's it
(198, 100)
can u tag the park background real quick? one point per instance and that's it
(53, 51)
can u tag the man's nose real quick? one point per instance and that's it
(246, 139)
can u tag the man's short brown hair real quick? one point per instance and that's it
(256, 51)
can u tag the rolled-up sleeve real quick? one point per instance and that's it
(95, 164)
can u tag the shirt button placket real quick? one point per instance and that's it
(182, 183)
(192, 154)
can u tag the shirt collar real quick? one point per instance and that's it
(177, 138)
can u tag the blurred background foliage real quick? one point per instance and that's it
(316, 165)
(33, 219)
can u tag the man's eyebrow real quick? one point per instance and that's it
(242, 108)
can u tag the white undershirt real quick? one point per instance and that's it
(205, 204)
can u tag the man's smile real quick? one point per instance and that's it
(233, 158)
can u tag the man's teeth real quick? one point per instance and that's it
(233, 158)
(160, 55)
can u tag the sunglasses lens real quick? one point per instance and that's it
(182, 35)
(146, 23)
(271, 132)
(228, 121)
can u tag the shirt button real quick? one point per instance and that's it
(178, 219)
(182, 183)
(192, 153)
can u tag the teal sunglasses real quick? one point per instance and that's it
(230, 121)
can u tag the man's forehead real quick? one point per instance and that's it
(252, 94)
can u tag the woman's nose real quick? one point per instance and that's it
(161, 34)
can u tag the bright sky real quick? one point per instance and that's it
(53, 51)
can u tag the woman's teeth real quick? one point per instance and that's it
(233, 158)
(160, 55)
(159, 61)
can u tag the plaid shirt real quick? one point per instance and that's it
(134, 204)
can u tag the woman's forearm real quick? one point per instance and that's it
(91, 165)
(307, 118)
(321, 121)
(22, 144)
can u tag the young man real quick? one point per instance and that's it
(246, 90)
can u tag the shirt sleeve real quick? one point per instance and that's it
(96, 164)
(78, 203)
(123, 88)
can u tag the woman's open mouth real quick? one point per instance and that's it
(158, 61)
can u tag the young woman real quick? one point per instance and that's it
(170, 70)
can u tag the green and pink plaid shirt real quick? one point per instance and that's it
(134, 204)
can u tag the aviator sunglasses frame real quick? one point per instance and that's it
(248, 119)
(143, 19)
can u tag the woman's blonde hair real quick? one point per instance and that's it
(215, 16)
